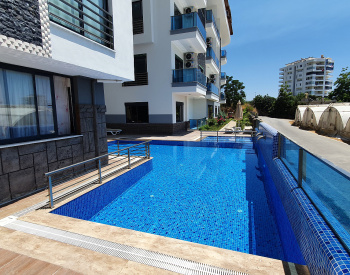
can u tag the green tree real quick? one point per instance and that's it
(285, 104)
(342, 90)
(234, 91)
(264, 104)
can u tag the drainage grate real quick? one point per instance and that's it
(129, 253)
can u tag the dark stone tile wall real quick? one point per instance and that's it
(87, 129)
(20, 19)
(23, 167)
(150, 128)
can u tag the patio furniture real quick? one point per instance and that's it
(114, 131)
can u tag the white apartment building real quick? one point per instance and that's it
(54, 57)
(178, 57)
(308, 75)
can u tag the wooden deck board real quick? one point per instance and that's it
(14, 263)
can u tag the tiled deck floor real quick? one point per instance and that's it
(14, 263)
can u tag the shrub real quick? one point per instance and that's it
(211, 121)
(204, 128)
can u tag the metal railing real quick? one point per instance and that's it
(137, 26)
(211, 18)
(224, 54)
(212, 88)
(96, 169)
(211, 54)
(188, 21)
(326, 186)
(189, 75)
(227, 133)
(85, 18)
(197, 123)
(140, 79)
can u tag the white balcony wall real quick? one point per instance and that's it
(83, 56)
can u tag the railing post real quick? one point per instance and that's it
(118, 149)
(301, 167)
(149, 151)
(50, 192)
(217, 136)
(99, 170)
(129, 159)
(201, 135)
(146, 151)
(279, 145)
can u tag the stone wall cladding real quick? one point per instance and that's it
(150, 128)
(30, 30)
(26, 165)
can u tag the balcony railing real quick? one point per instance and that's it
(85, 18)
(212, 88)
(187, 21)
(223, 75)
(140, 79)
(211, 54)
(137, 26)
(222, 96)
(223, 53)
(210, 18)
(188, 76)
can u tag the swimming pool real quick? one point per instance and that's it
(196, 192)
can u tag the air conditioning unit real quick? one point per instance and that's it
(189, 10)
(212, 78)
(190, 64)
(209, 41)
(190, 56)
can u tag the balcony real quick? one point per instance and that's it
(222, 98)
(212, 88)
(212, 62)
(223, 57)
(85, 18)
(211, 26)
(188, 32)
(223, 78)
(190, 81)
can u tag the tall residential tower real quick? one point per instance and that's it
(308, 75)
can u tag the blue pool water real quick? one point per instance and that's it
(208, 195)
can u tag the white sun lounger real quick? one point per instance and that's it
(114, 131)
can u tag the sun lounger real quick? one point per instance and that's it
(114, 131)
(229, 130)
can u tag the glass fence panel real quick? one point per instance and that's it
(290, 155)
(329, 190)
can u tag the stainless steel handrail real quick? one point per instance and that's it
(251, 132)
(117, 153)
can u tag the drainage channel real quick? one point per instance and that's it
(129, 253)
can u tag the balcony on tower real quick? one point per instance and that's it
(188, 32)
(212, 62)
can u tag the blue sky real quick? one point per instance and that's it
(270, 33)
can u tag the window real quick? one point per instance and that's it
(179, 63)
(136, 112)
(210, 111)
(216, 111)
(89, 18)
(26, 106)
(140, 68)
(137, 17)
(179, 111)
